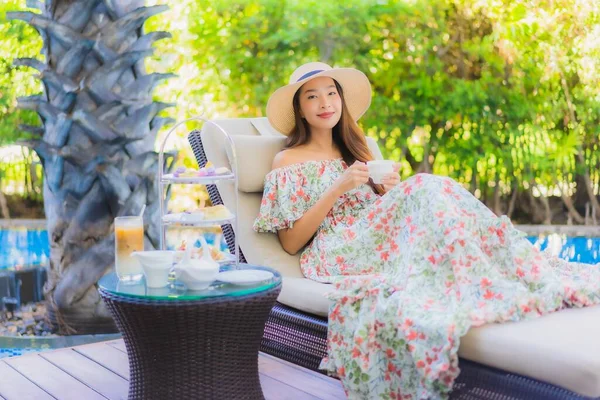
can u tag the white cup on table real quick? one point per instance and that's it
(380, 168)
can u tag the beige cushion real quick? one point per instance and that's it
(255, 156)
(258, 248)
(561, 348)
(306, 295)
(263, 127)
(374, 147)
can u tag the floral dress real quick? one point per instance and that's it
(414, 270)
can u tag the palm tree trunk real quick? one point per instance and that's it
(96, 147)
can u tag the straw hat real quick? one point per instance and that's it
(355, 84)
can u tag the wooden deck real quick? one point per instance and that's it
(100, 371)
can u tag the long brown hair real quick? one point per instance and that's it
(347, 136)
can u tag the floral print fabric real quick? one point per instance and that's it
(290, 191)
(414, 270)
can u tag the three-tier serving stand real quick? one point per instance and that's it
(168, 179)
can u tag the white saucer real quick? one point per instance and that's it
(244, 277)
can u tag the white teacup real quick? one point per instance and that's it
(156, 265)
(379, 168)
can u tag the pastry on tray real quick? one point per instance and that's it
(185, 217)
(208, 170)
(219, 212)
(200, 214)
(216, 212)
(216, 254)
(197, 252)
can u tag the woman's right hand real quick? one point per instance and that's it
(355, 175)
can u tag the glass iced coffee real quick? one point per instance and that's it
(129, 237)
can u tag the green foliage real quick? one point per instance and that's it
(492, 93)
(481, 91)
(20, 173)
(16, 40)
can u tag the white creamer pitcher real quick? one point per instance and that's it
(197, 274)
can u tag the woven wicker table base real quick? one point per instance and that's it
(204, 349)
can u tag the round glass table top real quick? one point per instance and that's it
(227, 284)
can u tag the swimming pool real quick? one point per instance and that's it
(28, 247)
(25, 247)
(574, 248)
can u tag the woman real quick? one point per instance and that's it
(416, 263)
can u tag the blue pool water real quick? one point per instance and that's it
(578, 248)
(26, 247)
(20, 247)
(23, 247)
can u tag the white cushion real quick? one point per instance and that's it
(260, 248)
(306, 295)
(374, 147)
(255, 157)
(263, 127)
(562, 348)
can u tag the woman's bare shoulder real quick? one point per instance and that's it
(288, 157)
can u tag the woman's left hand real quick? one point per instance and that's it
(391, 180)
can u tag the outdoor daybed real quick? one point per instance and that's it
(553, 357)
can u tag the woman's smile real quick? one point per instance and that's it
(326, 115)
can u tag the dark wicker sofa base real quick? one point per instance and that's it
(301, 338)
